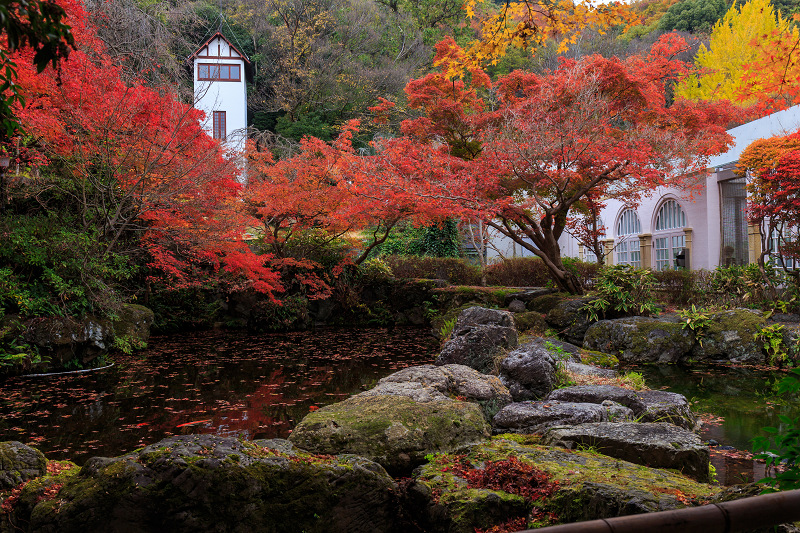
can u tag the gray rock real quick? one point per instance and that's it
(731, 336)
(19, 463)
(641, 339)
(481, 316)
(545, 302)
(659, 445)
(529, 371)
(478, 346)
(589, 370)
(562, 350)
(663, 406)
(535, 417)
(517, 306)
(427, 383)
(63, 339)
(394, 431)
(569, 320)
(648, 406)
(205, 483)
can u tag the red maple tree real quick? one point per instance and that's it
(135, 164)
(593, 128)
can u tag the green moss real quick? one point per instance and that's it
(603, 360)
(386, 428)
(590, 485)
(530, 321)
(544, 303)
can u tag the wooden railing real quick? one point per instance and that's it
(739, 515)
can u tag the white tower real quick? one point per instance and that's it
(220, 90)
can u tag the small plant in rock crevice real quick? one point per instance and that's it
(696, 320)
(772, 339)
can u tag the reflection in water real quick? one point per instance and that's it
(742, 401)
(226, 383)
(745, 399)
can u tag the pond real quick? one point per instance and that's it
(736, 404)
(226, 383)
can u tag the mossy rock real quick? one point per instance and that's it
(530, 321)
(132, 325)
(19, 463)
(394, 431)
(731, 336)
(546, 302)
(585, 486)
(599, 359)
(38, 490)
(205, 483)
(641, 339)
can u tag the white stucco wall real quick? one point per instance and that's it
(228, 96)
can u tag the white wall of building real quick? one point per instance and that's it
(228, 96)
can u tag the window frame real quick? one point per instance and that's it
(219, 126)
(219, 70)
(668, 235)
(628, 247)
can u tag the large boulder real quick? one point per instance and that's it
(529, 372)
(641, 339)
(460, 493)
(479, 338)
(731, 336)
(19, 463)
(570, 320)
(426, 383)
(205, 483)
(647, 406)
(395, 431)
(658, 444)
(482, 316)
(62, 339)
(536, 417)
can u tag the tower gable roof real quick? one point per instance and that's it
(196, 54)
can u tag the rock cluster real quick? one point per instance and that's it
(432, 423)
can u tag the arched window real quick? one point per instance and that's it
(627, 245)
(588, 253)
(668, 238)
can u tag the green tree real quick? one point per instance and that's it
(693, 15)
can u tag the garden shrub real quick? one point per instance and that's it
(518, 272)
(622, 289)
(437, 240)
(52, 266)
(681, 287)
(457, 271)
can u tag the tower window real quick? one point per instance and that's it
(214, 72)
(219, 125)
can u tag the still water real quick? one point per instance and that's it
(735, 404)
(211, 382)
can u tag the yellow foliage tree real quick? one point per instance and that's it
(530, 23)
(721, 66)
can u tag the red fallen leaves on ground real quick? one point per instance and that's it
(508, 475)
